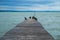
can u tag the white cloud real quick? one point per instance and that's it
(55, 6)
(36, 8)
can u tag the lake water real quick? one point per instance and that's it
(49, 20)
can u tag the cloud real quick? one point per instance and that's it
(36, 5)
(24, 2)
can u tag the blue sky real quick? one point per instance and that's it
(34, 5)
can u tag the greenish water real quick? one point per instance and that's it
(49, 20)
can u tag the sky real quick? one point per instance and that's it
(30, 5)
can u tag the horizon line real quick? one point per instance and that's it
(25, 11)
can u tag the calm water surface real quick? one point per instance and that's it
(49, 20)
